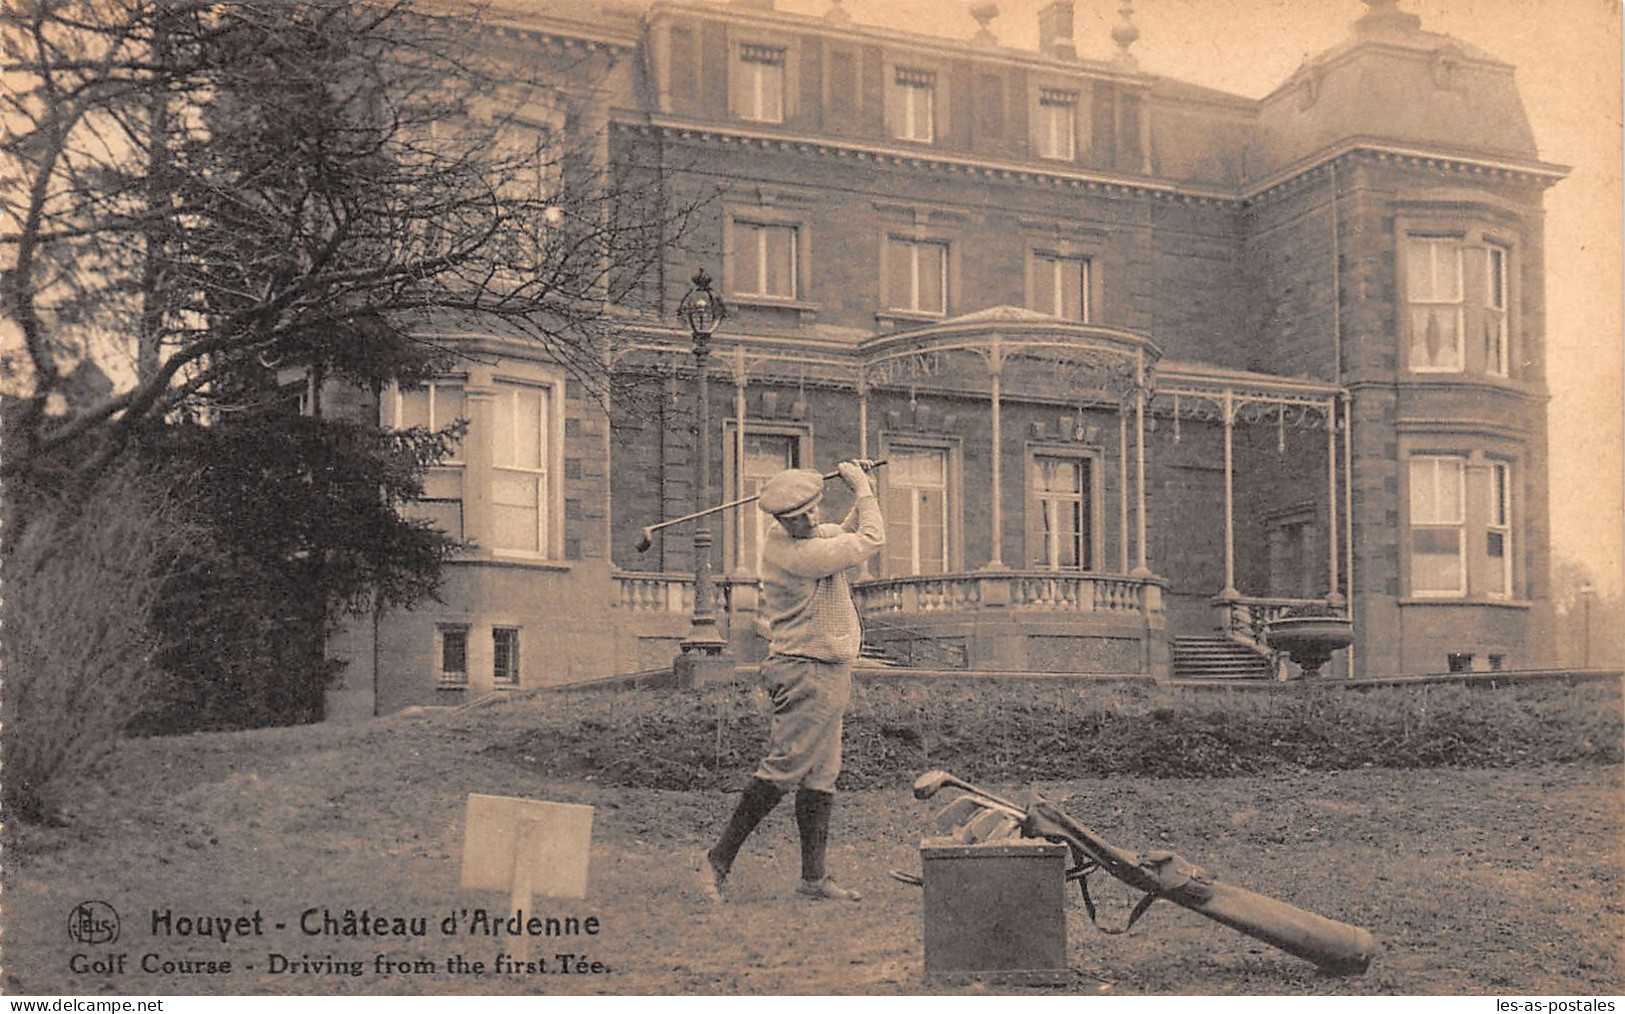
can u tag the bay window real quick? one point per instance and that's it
(1433, 277)
(1498, 531)
(1438, 522)
(1495, 311)
(520, 469)
(434, 407)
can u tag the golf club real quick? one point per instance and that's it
(932, 782)
(646, 537)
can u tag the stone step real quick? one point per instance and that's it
(1217, 658)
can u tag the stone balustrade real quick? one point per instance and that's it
(648, 592)
(654, 593)
(1034, 591)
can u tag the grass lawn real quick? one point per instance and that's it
(1474, 880)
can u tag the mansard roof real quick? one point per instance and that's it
(1394, 82)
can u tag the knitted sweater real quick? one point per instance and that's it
(806, 597)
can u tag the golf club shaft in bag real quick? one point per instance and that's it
(1333, 946)
(646, 537)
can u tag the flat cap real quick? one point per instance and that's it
(791, 492)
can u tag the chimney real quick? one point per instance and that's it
(1055, 31)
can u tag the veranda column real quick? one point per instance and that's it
(995, 365)
(866, 569)
(863, 415)
(1122, 486)
(1331, 498)
(740, 376)
(1139, 464)
(1230, 591)
(1348, 515)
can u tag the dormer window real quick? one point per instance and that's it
(760, 79)
(914, 106)
(1056, 126)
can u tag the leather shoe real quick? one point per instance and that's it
(826, 890)
(709, 879)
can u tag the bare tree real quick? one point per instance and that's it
(202, 197)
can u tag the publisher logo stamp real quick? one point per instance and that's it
(93, 922)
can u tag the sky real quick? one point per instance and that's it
(1567, 55)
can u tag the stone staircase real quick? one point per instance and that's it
(1208, 658)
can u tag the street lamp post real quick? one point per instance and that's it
(702, 310)
(1585, 598)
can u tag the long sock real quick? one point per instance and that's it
(812, 820)
(756, 802)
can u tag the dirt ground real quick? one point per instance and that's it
(1479, 882)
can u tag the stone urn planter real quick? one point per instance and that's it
(1309, 640)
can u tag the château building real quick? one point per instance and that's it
(1150, 364)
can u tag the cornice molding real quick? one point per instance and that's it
(922, 159)
(1417, 426)
(1386, 153)
(1276, 185)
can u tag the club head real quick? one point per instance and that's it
(930, 783)
(645, 540)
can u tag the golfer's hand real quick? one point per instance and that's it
(856, 478)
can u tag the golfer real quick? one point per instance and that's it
(813, 639)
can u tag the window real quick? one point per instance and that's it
(917, 275)
(1498, 536)
(505, 656)
(914, 93)
(760, 84)
(766, 455)
(1061, 494)
(1495, 311)
(915, 505)
(1438, 565)
(1061, 286)
(520, 481)
(1434, 291)
(765, 260)
(434, 407)
(1056, 125)
(454, 655)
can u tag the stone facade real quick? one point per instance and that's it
(1236, 356)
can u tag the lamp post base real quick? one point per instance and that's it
(694, 669)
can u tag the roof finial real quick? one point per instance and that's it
(984, 11)
(1125, 34)
(1385, 16)
(837, 15)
